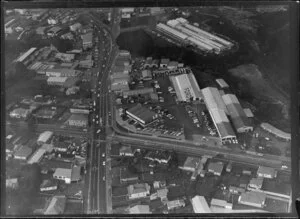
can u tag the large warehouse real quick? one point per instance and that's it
(186, 87)
(237, 114)
(217, 110)
(141, 114)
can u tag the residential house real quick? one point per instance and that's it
(138, 190)
(266, 172)
(175, 204)
(254, 199)
(48, 185)
(215, 168)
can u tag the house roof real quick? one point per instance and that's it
(56, 206)
(138, 188)
(67, 173)
(222, 83)
(141, 112)
(23, 151)
(75, 176)
(216, 167)
(257, 182)
(79, 117)
(48, 183)
(248, 113)
(125, 149)
(253, 197)
(162, 192)
(266, 171)
(191, 162)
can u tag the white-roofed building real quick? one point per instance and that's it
(62, 72)
(138, 190)
(56, 206)
(25, 55)
(75, 27)
(237, 114)
(44, 137)
(275, 131)
(175, 204)
(200, 205)
(186, 87)
(63, 174)
(140, 209)
(220, 203)
(171, 31)
(19, 113)
(172, 23)
(217, 110)
(57, 81)
(266, 172)
(255, 199)
(37, 156)
(222, 83)
(248, 113)
(255, 183)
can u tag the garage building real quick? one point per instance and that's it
(141, 114)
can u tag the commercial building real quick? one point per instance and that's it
(255, 199)
(275, 131)
(215, 168)
(65, 82)
(56, 206)
(142, 91)
(171, 32)
(44, 137)
(23, 153)
(79, 120)
(140, 209)
(200, 205)
(217, 110)
(37, 156)
(141, 114)
(237, 114)
(164, 63)
(178, 203)
(126, 151)
(186, 87)
(19, 113)
(120, 87)
(220, 203)
(266, 172)
(62, 72)
(255, 183)
(87, 41)
(138, 190)
(86, 63)
(63, 174)
(54, 31)
(222, 84)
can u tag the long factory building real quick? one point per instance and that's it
(181, 30)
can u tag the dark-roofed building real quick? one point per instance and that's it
(23, 153)
(48, 185)
(215, 168)
(141, 114)
(127, 176)
(266, 172)
(142, 91)
(237, 115)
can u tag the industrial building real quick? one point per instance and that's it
(237, 114)
(65, 57)
(254, 199)
(180, 29)
(200, 205)
(141, 114)
(275, 131)
(217, 110)
(25, 55)
(140, 209)
(186, 87)
(62, 72)
(222, 83)
(37, 156)
(138, 190)
(23, 153)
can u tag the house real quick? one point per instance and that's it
(200, 205)
(37, 156)
(79, 120)
(190, 164)
(63, 174)
(147, 75)
(254, 199)
(75, 175)
(164, 63)
(220, 203)
(126, 151)
(48, 185)
(162, 193)
(266, 172)
(127, 176)
(215, 168)
(159, 184)
(87, 40)
(75, 27)
(138, 190)
(140, 209)
(255, 183)
(23, 153)
(175, 204)
(12, 183)
(172, 65)
(56, 206)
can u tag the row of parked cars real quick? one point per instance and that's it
(193, 116)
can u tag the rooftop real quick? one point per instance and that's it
(216, 167)
(23, 151)
(253, 197)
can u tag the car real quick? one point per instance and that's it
(98, 95)
(103, 155)
(103, 178)
(97, 122)
(284, 167)
(98, 131)
(103, 163)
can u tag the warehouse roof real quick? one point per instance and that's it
(213, 99)
(222, 83)
(237, 114)
(140, 209)
(257, 182)
(276, 131)
(142, 113)
(25, 55)
(37, 156)
(172, 31)
(222, 123)
(248, 113)
(138, 188)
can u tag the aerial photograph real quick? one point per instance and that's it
(147, 110)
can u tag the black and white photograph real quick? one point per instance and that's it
(147, 110)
